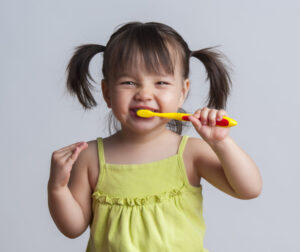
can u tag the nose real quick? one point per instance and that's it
(144, 93)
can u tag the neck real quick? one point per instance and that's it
(127, 136)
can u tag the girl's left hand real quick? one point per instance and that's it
(206, 126)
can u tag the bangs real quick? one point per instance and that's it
(139, 49)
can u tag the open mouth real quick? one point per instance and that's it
(134, 114)
(136, 109)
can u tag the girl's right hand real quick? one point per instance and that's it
(61, 164)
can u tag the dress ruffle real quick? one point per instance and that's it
(137, 201)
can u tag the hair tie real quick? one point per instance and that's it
(101, 48)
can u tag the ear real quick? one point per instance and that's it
(105, 92)
(184, 91)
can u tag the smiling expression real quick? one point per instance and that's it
(140, 89)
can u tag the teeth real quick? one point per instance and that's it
(142, 108)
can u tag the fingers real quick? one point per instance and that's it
(72, 147)
(70, 151)
(71, 154)
(220, 114)
(204, 115)
(209, 116)
(62, 162)
(212, 117)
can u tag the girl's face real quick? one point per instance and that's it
(159, 93)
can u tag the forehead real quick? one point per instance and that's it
(140, 64)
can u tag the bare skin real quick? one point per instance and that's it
(215, 157)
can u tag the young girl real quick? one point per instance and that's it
(139, 189)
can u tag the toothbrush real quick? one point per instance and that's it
(225, 122)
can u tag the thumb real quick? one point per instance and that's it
(196, 122)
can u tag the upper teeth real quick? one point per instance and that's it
(142, 108)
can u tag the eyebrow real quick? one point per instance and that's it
(133, 75)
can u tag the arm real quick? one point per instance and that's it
(66, 212)
(231, 169)
(69, 205)
(221, 161)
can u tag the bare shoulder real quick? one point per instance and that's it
(206, 164)
(88, 164)
(194, 154)
(79, 183)
(200, 153)
(82, 164)
(191, 151)
(91, 156)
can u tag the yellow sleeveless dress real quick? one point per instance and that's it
(146, 207)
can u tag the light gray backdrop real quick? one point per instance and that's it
(261, 39)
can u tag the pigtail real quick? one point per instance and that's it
(217, 74)
(78, 74)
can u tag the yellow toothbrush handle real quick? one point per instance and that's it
(225, 122)
(175, 116)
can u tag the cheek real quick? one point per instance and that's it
(120, 102)
(171, 99)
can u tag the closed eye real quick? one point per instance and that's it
(162, 83)
(127, 83)
(132, 83)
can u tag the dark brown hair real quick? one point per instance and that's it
(152, 43)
